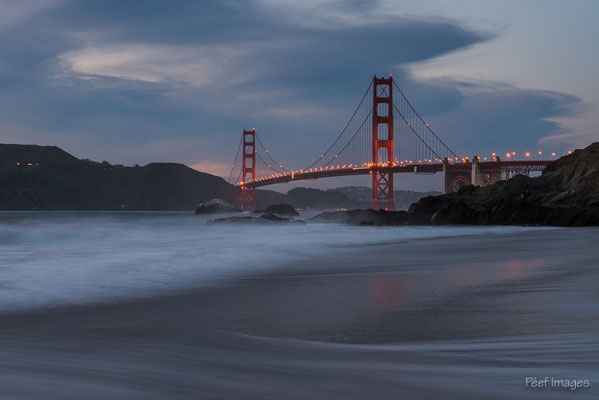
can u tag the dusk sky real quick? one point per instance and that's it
(141, 81)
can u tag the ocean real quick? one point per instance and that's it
(161, 305)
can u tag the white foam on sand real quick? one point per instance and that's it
(54, 259)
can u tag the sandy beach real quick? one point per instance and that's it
(468, 317)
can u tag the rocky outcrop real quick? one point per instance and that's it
(263, 219)
(279, 209)
(566, 194)
(216, 206)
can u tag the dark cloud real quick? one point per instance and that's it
(503, 118)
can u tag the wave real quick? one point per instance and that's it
(50, 259)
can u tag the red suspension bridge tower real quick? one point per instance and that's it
(248, 194)
(382, 143)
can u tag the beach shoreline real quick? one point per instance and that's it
(481, 303)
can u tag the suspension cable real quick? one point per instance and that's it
(269, 155)
(235, 162)
(344, 129)
(418, 115)
(267, 164)
(352, 138)
(415, 133)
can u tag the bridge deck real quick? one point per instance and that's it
(427, 168)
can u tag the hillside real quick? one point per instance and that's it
(48, 178)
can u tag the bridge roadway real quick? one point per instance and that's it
(424, 168)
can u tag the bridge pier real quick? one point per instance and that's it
(445, 181)
(455, 176)
(495, 173)
(382, 190)
(477, 178)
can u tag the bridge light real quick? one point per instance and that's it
(426, 124)
(336, 155)
(527, 154)
(508, 155)
(569, 151)
(493, 154)
(513, 153)
(540, 152)
(322, 155)
(553, 154)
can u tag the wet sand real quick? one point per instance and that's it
(456, 318)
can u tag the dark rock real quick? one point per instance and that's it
(265, 198)
(363, 217)
(216, 206)
(566, 194)
(263, 219)
(279, 209)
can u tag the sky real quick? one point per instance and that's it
(145, 80)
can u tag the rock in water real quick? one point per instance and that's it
(263, 219)
(279, 209)
(217, 206)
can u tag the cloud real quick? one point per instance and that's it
(295, 112)
(16, 12)
(197, 66)
(261, 41)
(491, 116)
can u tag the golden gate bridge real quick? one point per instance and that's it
(385, 135)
